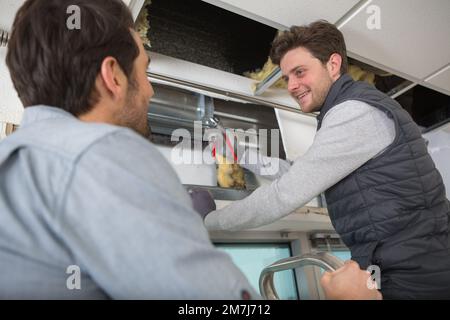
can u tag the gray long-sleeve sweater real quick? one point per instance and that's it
(352, 133)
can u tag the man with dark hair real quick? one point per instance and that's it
(385, 196)
(88, 207)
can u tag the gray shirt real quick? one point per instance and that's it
(352, 133)
(103, 199)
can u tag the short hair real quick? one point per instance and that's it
(321, 38)
(51, 64)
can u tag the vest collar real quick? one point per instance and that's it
(340, 85)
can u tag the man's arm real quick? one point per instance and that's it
(131, 226)
(267, 167)
(352, 133)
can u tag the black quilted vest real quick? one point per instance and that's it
(392, 211)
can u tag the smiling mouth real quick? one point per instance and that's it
(302, 95)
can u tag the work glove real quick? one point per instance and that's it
(202, 201)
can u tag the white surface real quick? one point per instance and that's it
(282, 14)
(199, 174)
(11, 109)
(8, 12)
(135, 6)
(413, 38)
(439, 148)
(10, 7)
(297, 132)
(213, 78)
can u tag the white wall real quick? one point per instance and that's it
(439, 148)
(11, 108)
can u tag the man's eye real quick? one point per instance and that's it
(298, 73)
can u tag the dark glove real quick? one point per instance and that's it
(202, 201)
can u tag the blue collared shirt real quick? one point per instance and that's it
(102, 199)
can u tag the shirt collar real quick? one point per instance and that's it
(40, 112)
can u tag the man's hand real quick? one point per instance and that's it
(349, 283)
(202, 201)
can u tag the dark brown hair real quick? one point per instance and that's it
(53, 65)
(321, 38)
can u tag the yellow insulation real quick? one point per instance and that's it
(229, 175)
(142, 25)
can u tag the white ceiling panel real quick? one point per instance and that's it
(413, 36)
(9, 9)
(282, 14)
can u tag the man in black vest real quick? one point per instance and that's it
(385, 197)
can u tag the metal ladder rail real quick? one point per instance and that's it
(323, 260)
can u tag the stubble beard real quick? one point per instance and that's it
(134, 115)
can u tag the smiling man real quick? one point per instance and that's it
(309, 82)
(384, 194)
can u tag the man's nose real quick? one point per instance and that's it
(293, 85)
(151, 91)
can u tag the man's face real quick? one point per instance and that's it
(140, 91)
(308, 79)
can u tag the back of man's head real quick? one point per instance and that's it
(55, 61)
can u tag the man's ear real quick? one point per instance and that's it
(113, 78)
(334, 65)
